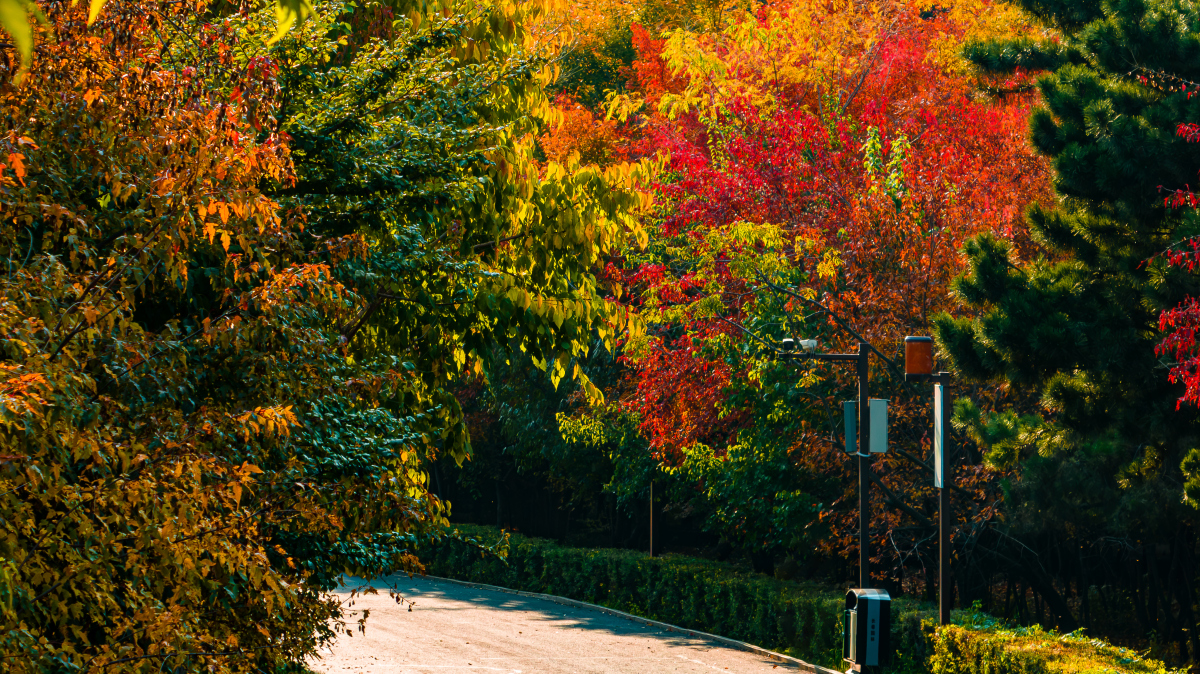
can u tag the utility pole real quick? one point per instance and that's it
(918, 366)
(861, 359)
(864, 469)
(943, 403)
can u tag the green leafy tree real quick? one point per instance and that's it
(1101, 455)
(416, 137)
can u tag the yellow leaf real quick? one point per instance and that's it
(14, 16)
(94, 10)
(287, 12)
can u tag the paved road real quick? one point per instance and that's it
(454, 629)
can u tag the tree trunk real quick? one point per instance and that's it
(1082, 588)
(1008, 593)
(1153, 589)
(930, 574)
(1186, 596)
(1140, 600)
(612, 518)
(437, 478)
(566, 530)
(1055, 604)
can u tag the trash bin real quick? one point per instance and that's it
(866, 641)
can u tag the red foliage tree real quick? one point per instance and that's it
(800, 205)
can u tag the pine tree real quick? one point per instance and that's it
(1078, 325)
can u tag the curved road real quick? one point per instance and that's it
(453, 629)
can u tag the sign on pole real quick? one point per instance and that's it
(939, 435)
(879, 425)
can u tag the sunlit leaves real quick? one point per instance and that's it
(210, 442)
(14, 17)
(473, 243)
(823, 165)
(287, 13)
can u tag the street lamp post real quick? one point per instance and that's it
(860, 359)
(918, 366)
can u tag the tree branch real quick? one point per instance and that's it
(837, 319)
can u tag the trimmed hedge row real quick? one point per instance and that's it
(983, 647)
(799, 619)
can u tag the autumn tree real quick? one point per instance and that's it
(823, 168)
(225, 352)
(172, 384)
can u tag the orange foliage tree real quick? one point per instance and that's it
(587, 135)
(172, 373)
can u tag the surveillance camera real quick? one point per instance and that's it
(809, 345)
(788, 345)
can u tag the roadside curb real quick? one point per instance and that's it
(799, 664)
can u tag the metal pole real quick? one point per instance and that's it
(651, 518)
(945, 583)
(864, 470)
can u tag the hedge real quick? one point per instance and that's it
(982, 645)
(799, 619)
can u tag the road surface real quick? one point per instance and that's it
(454, 629)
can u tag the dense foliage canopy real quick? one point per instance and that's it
(233, 303)
(287, 280)
(824, 169)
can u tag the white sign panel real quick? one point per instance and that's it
(939, 440)
(879, 425)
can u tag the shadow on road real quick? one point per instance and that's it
(459, 604)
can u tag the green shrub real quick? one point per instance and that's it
(979, 644)
(799, 619)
